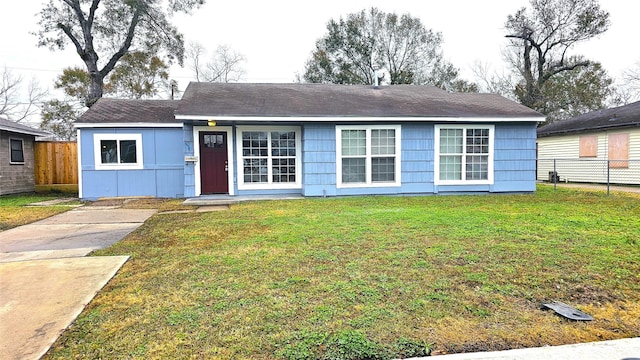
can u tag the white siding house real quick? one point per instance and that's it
(596, 147)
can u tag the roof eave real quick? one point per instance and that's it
(251, 118)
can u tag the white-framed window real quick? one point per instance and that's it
(463, 154)
(118, 151)
(16, 151)
(368, 155)
(269, 157)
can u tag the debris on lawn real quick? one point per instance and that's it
(567, 311)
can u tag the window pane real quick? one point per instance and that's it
(383, 169)
(214, 141)
(354, 142)
(283, 143)
(128, 151)
(450, 167)
(284, 170)
(109, 151)
(255, 170)
(451, 141)
(477, 141)
(254, 143)
(353, 170)
(383, 142)
(17, 153)
(477, 167)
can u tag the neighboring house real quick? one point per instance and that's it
(309, 140)
(16, 157)
(593, 147)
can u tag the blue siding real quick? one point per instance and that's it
(189, 167)
(515, 158)
(162, 174)
(417, 158)
(166, 174)
(319, 160)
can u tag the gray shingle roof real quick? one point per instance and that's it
(622, 116)
(328, 100)
(8, 125)
(130, 111)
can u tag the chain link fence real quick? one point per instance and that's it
(592, 173)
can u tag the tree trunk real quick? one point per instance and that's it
(95, 88)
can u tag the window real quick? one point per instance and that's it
(618, 151)
(464, 154)
(118, 151)
(368, 155)
(270, 157)
(16, 148)
(588, 146)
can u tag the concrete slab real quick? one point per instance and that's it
(211, 208)
(39, 236)
(42, 298)
(623, 349)
(99, 215)
(54, 202)
(44, 254)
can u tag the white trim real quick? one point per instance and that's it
(21, 148)
(128, 125)
(358, 119)
(270, 184)
(196, 152)
(368, 182)
(436, 154)
(79, 147)
(139, 164)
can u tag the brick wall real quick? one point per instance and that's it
(16, 178)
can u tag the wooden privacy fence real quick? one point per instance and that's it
(56, 162)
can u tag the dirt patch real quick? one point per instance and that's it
(588, 294)
(108, 202)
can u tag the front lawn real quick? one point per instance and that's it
(14, 212)
(368, 277)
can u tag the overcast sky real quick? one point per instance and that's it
(278, 36)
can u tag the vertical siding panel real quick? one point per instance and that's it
(162, 174)
(514, 157)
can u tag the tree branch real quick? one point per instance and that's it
(125, 46)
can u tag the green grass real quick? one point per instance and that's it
(13, 211)
(368, 277)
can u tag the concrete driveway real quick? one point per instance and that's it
(45, 280)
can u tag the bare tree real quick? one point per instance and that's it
(16, 104)
(225, 64)
(631, 81)
(542, 37)
(492, 81)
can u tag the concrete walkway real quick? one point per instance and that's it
(623, 349)
(45, 280)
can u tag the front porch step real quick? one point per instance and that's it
(214, 200)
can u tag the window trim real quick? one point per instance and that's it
(269, 184)
(11, 161)
(436, 153)
(368, 182)
(97, 138)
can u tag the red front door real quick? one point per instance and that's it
(214, 163)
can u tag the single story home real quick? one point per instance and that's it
(597, 147)
(307, 140)
(16, 157)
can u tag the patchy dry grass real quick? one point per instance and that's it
(368, 277)
(14, 212)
